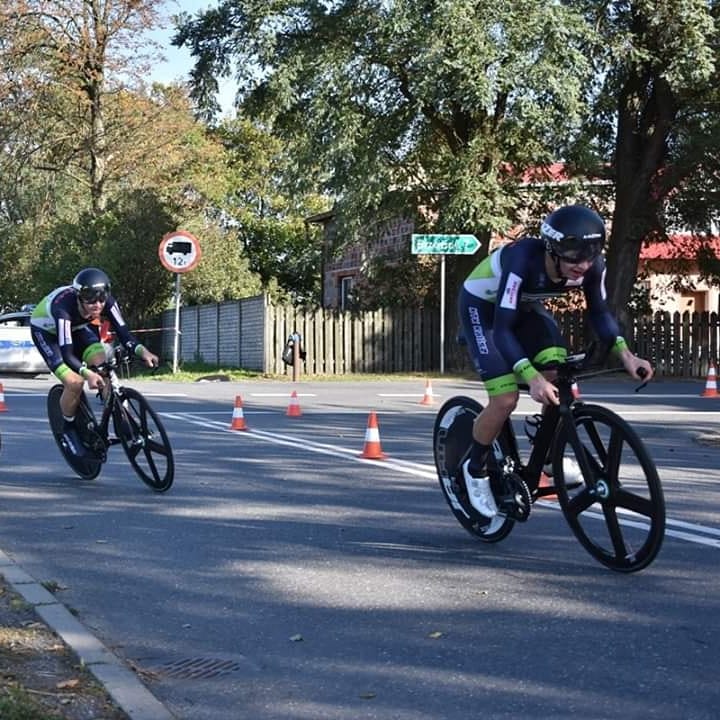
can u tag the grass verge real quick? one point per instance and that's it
(41, 678)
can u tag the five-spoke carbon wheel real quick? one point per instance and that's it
(144, 440)
(452, 440)
(617, 512)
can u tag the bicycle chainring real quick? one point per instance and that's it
(515, 500)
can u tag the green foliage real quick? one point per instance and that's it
(284, 252)
(377, 109)
(124, 242)
(407, 281)
(223, 273)
(396, 105)
(265, 213)
(650, 112)
(18, 704)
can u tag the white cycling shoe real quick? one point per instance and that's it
(479, 493)
(571, 471)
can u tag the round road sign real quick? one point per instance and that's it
(179, 251)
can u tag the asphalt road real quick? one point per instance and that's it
(285, 578)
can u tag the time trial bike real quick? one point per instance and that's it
(135, 424)
(614, 500)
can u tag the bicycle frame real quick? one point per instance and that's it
(109, 397)
(138, 429)
(543, 440)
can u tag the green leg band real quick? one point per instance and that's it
(501, 385)
(550, 355)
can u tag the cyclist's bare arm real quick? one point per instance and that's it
(633, 364)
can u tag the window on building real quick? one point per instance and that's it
(346, 285)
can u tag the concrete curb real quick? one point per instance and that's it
(121, 683)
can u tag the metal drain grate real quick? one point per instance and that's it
(198, 668)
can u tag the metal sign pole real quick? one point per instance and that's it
(176, 343)
(296, 357)
(179, 252)
(442, 314)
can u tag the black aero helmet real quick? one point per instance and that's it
(573, 233)
(92, 285)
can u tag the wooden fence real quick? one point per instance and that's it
(336, 343)
(251, 333)
(677, 345)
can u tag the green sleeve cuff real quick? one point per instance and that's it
(139, 349)
(619, 345)
(524, 370)
(84, 370)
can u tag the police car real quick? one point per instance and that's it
(18, 354)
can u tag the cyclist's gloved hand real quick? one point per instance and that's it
(543, 391)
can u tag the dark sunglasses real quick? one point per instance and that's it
(92, 295)
(589, 252)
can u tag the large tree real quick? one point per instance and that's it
(98, 165)
(66, 60)
(652, 119)
(439, 105)
(266, 215)
(396, 105)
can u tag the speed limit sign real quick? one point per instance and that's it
(179, 251)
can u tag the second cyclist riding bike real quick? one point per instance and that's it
(136, 427)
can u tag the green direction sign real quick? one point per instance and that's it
(444, 244)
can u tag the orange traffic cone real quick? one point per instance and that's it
(711, 384)
(546, 482)
(372, 449)
(294, 406)
(3, 407)
(428, 396)
(238, 420)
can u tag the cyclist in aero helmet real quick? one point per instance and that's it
(510, 334)
(65, 328)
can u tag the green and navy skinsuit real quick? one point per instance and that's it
(66, 339)
(506, 326)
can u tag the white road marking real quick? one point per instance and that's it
(690, 532)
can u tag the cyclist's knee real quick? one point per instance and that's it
(73, 384)
(504, 403)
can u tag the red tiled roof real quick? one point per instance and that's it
(555, 172)
(679, 247)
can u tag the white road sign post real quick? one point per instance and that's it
(179, 252)
(443, 245)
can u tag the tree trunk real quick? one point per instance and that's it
(98, 152)
(646, 113)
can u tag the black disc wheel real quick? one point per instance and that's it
(614, 500)
(86, 466)
(144, 440)
(452, 440)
